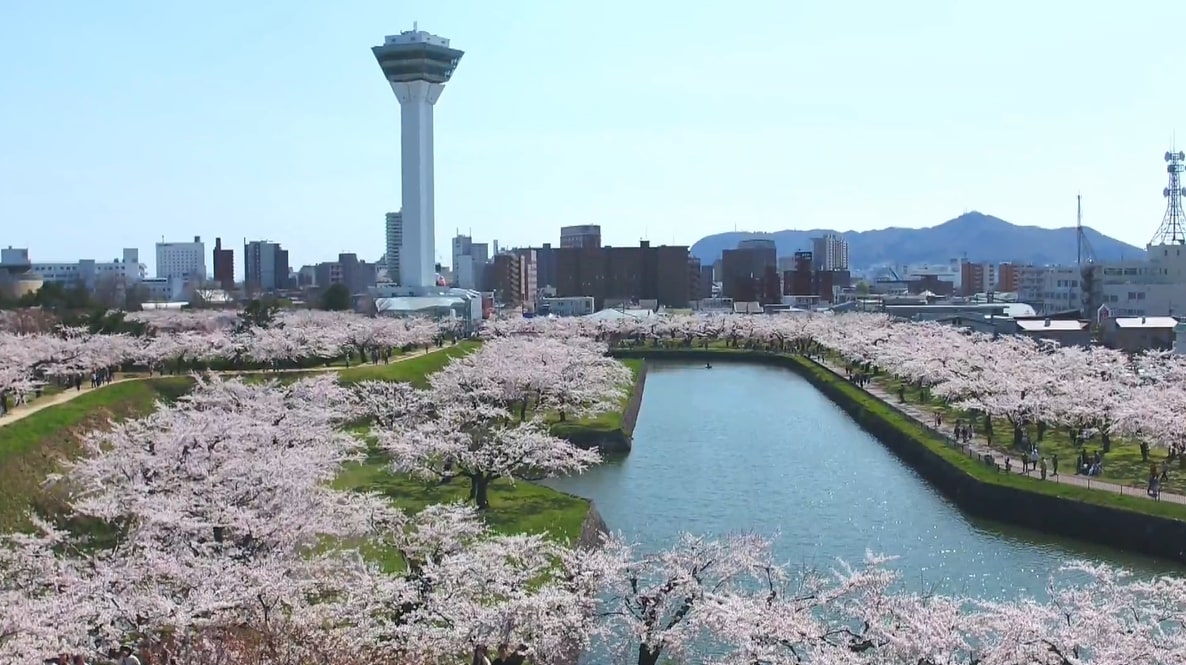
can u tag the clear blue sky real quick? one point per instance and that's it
(121, 122)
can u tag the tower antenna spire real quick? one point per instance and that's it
(1082, 244)
(1173, 225)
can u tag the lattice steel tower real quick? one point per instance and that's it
(1173, 226)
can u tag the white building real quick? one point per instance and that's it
(568, 306)
(830, 252)
(1156, 287)
(944, 272)
(461, 247)
(469, 258)
(164, 289)
(89, 272)
(1050, 288)
(185, 260)
(395, 239)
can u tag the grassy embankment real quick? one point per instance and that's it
(923, 436)
(605, 423)
(32, 447)
(1122, 464)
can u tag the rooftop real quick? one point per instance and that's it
(1146, 322)
(1054, 325)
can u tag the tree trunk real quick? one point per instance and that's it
(647, 655)
(1041, 430)
(480, 490)
(1107, 441)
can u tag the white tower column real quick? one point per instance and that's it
(417, 267)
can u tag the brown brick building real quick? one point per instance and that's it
(512, 277)
(224, 265)
(750, 272)
(986, 277)
(661, 273)
(806, 280)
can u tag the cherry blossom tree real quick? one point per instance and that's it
(449, 445)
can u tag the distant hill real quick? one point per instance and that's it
(981, 237)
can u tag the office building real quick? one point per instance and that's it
(181, 260)
(707, 283)
(224, 265)
(571, 306)
(417, 65)
(265, 266)
(395, 239)
(469, 263)
(461, 247)
(355, 275)
(830, 252)
(512, 278)
(622, 275)
(989, 278)
(90, 273)
(749, 273)
(586, 235)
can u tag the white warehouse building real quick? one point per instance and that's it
(90, 272)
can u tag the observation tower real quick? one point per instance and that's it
(417, 65)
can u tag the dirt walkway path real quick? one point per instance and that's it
(24, 411)
(980, 447)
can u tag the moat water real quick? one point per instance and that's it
(743, 447)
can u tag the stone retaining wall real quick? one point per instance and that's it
(593, 529)
(618, 441)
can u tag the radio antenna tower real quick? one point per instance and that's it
(1083, 248)
(1173, 225)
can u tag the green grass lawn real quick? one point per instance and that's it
(514, 508)
(415, 369)
(32, 447)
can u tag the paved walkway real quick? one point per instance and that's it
(980, 447)
(24, 411)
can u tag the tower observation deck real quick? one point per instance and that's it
(417, 65)
(417, 56)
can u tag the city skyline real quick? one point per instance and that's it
(300, 144)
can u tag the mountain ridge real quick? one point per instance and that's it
(978, 236)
